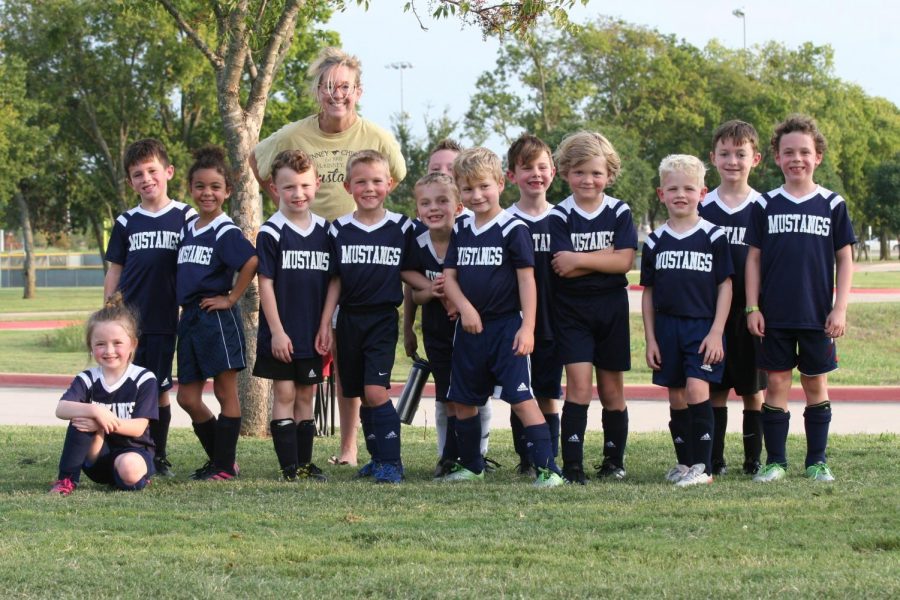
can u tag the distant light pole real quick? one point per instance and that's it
(400, 66)
(740, 14)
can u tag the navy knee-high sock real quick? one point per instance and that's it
(538, 439)
(365, 419)
(518, 436)
(451, 446)
(468, 440)
(776, 424)
(615, 436)
(206, 433)
(553, 423)
(228, 429)
(680, 428)
(74, 453)
(306, 433)
(284, 437)
(386, 427)
(720, 418)
(159, 430)
(702, 432)
(817, 419)
(572, 427)
(753, 433)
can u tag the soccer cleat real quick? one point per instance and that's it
(819, 472)
(574, 473)
(696, 475)
(201, 472)
(63, 487)
(388, 473)
(443, 467)
(770, 472)
(547, 478)
(367, 470)
(311, 472)
(610, 470)
(676, 473)
(460, 473)
(751, 467)
(163, 466)
(525, 468)
(719, 467)
(217, 474)
(289, 473)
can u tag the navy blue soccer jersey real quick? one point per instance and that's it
(735, 222)
(208, 258)
(146, 245)
(539, 227)
(133, 396)
(685, 269)
(370, 258)
(299, 263)
(574, 230)
(486, 259)
(436, 325)
(798, 238)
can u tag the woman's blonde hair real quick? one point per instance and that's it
(328, 59)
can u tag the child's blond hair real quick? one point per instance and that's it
(477, 163)
(367, 157)
(582, 146)
(682, 163)
(438, 179)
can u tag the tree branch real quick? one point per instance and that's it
(273, 55)
(213, 58)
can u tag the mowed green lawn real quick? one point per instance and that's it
(262, 538)
(869, 354)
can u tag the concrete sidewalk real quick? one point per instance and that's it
(35, 406)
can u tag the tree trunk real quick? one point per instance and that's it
(97, 231)
(28, 235)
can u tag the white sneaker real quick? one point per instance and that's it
(696, 475)
(676, 473)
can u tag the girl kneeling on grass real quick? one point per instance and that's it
(210, 331)
(109, 408)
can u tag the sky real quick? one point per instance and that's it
(448, 58)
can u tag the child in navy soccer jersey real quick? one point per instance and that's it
(295, 262)
(797, 234)
(437, 204)
(735, 152)
(489, 277)
(530, 168)
(593, 241)
(210, 332)
(371, 247)
(142, 255)
(686, 273)
(109, 408)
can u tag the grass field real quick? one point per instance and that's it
(258, 537)
(869, 353)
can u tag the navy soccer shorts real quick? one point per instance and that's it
(366, 346)
(156, 351)
(811, 351)
(741, 373)
(485, 365)
(209, 343)
(679, 340)
(593, 329)
(103, 469)
(302, 371)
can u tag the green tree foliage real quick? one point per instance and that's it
(882, 206)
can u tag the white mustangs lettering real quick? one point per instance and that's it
(201, 255)
(735, 235)
(488, 256)
(304, 259)
(541, 242)
(812, 224)
(122, 410)
(370, 255)
(145, 240)
(593, 240)
(684, 259)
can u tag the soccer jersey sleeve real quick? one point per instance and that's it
(117, 248)
(520, 246)
(648, 269)
(451, 257)
(722, 258)
(560, 240)
(233, 249)
(842, 229)
(625, 234)
(78, 390)
(756, 227)
(146, 402)
(267, 253)
(409, 261)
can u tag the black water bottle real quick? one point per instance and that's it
(412, 391)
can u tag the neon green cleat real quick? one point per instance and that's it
(460, 473)
(819, 472)
(770, 472)
(547, 478)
